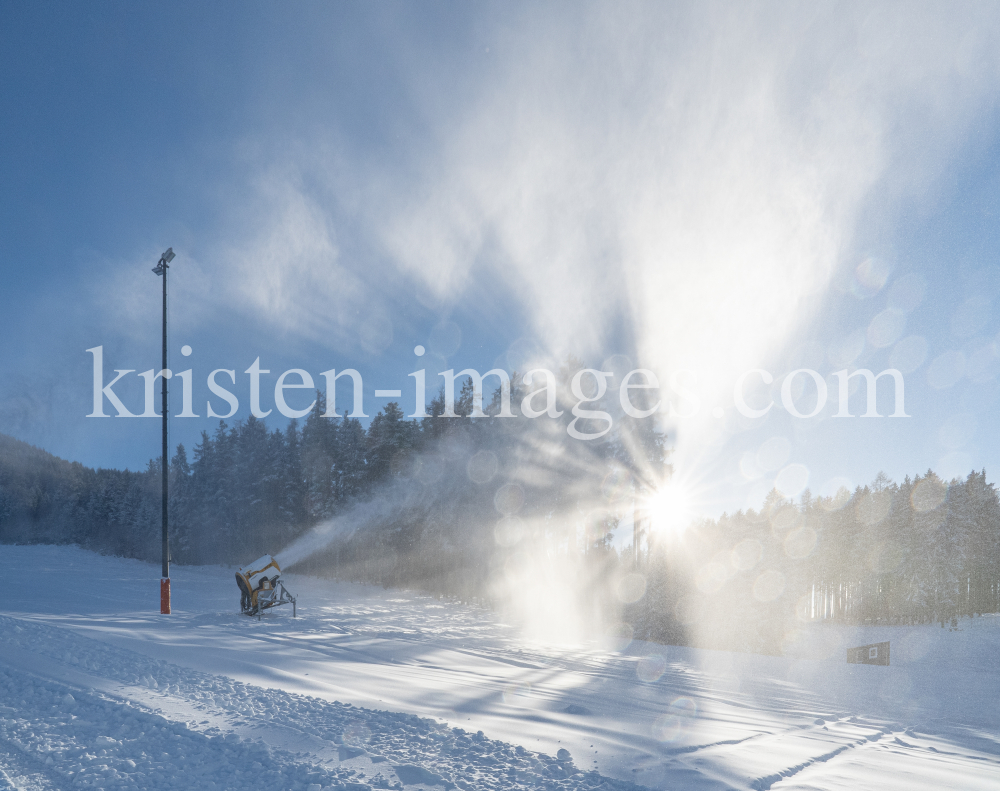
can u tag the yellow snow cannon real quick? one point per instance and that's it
(261, 587)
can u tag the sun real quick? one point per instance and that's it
(669, 508)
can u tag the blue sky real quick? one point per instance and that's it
(692, 187)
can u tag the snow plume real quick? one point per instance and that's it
(700, 170)
(683, 182)
(340, 528)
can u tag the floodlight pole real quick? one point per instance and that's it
(161, 270)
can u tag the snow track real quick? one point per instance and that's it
(59, 738)
(102, 730)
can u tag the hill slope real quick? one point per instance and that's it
(209, 695)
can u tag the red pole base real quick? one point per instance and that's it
(165, 596)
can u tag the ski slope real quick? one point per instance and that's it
(387, 689)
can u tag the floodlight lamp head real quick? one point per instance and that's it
(166, 258)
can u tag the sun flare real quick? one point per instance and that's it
(669, 509)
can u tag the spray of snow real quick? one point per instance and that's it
(338, 528)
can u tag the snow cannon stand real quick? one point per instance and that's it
(261, 588)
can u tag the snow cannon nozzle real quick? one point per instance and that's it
(261, 587)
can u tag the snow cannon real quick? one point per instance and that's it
(261, 587)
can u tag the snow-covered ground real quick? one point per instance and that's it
(384, 689)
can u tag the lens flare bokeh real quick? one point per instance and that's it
(678, 719)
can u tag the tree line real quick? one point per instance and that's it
(921, 551)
